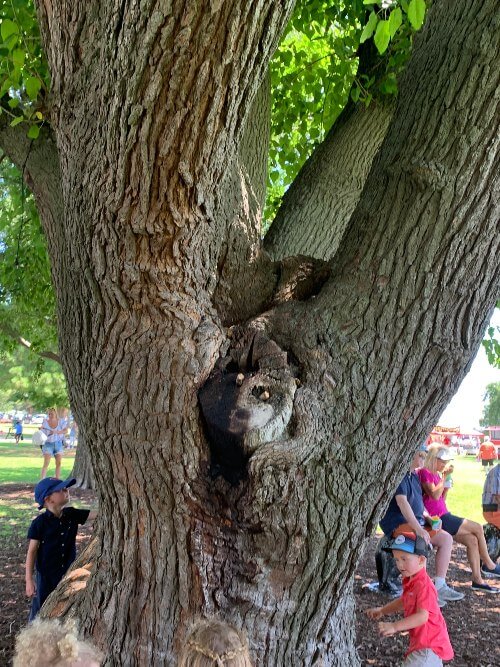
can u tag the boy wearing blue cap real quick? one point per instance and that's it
(52, 539)
(429, 640)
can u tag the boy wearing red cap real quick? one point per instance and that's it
(52, 539)
(429, 640)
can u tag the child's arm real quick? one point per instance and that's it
(414, 621)
(30, 567)
(390, 608)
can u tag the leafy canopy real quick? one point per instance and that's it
(27, 299)
(492, 344)
(24, 75)
(491, 411)
(28, 383)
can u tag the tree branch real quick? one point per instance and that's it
(38, 162)
(416, 276)
(318, 205)
(9, 331)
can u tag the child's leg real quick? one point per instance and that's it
(37, 600)
(423, 658)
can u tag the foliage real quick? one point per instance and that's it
(24, 76)
(28, 382)
(491, 410)
(491, 344)
(315, 69)
(27, 300)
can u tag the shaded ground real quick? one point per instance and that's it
(472, 623)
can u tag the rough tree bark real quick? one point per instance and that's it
(258, 511)
(82, 467)
(318, 205)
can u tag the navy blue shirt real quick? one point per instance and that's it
(57, 537)
(411, 488)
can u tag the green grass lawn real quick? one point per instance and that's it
(464, 498)
(21, 464)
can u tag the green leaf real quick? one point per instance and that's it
(382, 36)
(33, 86)
(33, 132)
(369, 28)
(416, 13)
(16, 121)
(369, 2)
(13, 103)
(18, 56)
(395, 20)
(8, 28)
(355, 94)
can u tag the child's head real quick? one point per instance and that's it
(213, 643)
(51, 489)
(410, 553)
(50, 643)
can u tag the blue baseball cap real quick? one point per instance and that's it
(423, 448)
(410, 543)
(50, 485)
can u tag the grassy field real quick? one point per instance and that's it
(21, 464)
(464, 498)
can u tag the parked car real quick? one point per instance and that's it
(38, 419)
(471, 450)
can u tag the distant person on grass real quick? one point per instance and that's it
(18, 430)
(406, 512)
(487, 454)
(52, 539)
(469, 533)
(429, 640)
(55, 429)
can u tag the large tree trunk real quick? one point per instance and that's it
(82, 467)
(258, 511)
